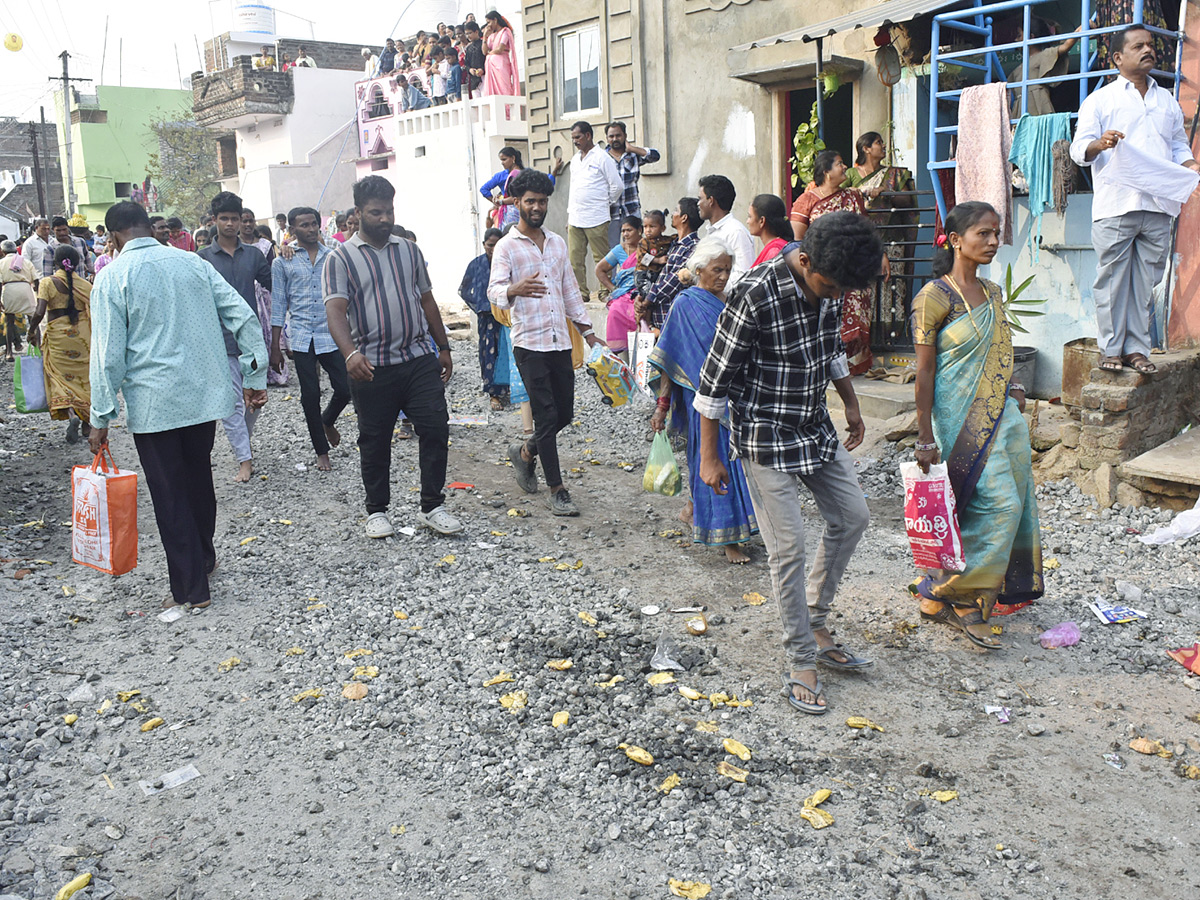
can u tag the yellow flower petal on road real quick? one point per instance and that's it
(817, 818)
(616, 679)
(559, 665)
(294, 651)
(863, 722)
(709, 727)
(400, 614)
(314, 693)
(447, 560)
(78, 883)
(365, 672)
(660, 678)
(738, 749)
(227, 665)
(944, 796)
(499, 534)
(514, 701)
(754, 598)
(1051, 563)
(638, 754)
(502, 678)
(692, 890)
(126, 696)
(691, 693)
(152, 724)
(547, 558)
(729, 770)
(669, 783)
(248, 540)
(518, 513)
(398, 830)
(560, 718)
(360, 651)
(587, 618)
(70, 718)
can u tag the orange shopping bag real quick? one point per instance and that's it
(104, 515)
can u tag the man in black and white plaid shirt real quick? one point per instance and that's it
(777, 347)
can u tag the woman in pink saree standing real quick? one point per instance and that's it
(500, 67)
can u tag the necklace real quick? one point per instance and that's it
(970, 309)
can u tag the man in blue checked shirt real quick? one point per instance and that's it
(296, 285)
(629, 159)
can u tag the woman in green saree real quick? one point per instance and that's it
(969, 411)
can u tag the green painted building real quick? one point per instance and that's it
(112, 142)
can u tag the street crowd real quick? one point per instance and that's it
(190, 327)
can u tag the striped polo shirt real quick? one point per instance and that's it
(383, 291)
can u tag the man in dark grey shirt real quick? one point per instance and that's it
(241, 266)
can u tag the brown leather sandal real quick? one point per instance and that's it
(1139, 363)
(1110, 364)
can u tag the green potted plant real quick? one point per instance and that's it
(1024, 358)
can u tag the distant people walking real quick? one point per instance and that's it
(157, 320)
(66, 341)
(385, 321)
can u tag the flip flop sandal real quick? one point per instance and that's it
(974, 617)
(813, 709)
(1139, 363)
(1111, 364)
(852, 664)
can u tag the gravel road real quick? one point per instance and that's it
(431, 787)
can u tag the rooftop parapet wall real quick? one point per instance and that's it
(240, 91)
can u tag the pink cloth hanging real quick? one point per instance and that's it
(982, 170)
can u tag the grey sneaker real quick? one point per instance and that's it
(524, 472)
(561, 504)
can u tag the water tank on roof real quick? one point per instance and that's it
(424, 15)
(253, 18)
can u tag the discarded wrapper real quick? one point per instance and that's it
(697, 625)
(170, 780)
(1002, 713)
(1188, 657)
(1111, 614)
(650, 610)
(1115, 760)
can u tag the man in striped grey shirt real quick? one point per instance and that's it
(382, 316)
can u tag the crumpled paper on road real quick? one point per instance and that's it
(1185, 527)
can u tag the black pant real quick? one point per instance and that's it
(416, 387)
(550, 380)
(178, 469)
(310, 392)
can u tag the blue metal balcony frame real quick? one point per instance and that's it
(980, 24)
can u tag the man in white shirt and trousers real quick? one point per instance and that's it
(595, 186)
(1131, 133)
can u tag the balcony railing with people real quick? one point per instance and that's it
(976, 24)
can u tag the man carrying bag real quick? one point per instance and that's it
(156, 338)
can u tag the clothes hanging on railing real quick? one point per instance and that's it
(982, 170)
(1033, 153)
(1067, 177)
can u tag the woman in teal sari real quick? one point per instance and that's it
(969, 412)
(717, 520)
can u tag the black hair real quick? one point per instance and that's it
(635, 221)
(514, 153)
(690, 208)
(471, 26)
(584, 127)
(279, 216)
(960, 218)
(263, 231)
(492, 233)
(720, 189)
(57, 221)
(226, 202)
(67, 253)
(774, 210)
(154, 219)
(659, 214)
(1120, 38)
(860, 146)
(125, 215)
(531, 180)
(823, 164)
(246, 209)
(845, 248)
(438, 51)
(498, 19)
(621, 125)
(373, 187)
(297, 211)
(175, 222)
(1039, 28)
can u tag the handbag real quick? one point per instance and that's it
(29, 382)
(104, 515)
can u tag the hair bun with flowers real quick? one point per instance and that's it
(940, 240)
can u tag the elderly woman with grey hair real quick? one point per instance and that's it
(717, 520)
(17, 279)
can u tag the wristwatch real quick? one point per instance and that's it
(443, 349)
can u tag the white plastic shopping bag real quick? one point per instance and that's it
(931, 519)
(104, 515)
(641, 343)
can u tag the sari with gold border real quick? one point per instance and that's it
(984, 440)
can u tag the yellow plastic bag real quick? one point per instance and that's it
(662, 473)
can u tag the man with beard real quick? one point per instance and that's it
(629, 159)
(531, 275)
(160, 230)
(382, 315)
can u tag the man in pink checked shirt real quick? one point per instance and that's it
(531, 275)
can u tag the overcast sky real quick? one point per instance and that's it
(146, 34)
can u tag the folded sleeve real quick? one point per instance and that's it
(737, 329)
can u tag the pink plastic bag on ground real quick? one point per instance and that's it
(931, 519)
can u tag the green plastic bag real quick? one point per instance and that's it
(29, 382)
(662, 474)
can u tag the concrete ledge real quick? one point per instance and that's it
(1178, 460)
(877, 399)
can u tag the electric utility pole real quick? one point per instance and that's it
(69, 175)
(37, 169)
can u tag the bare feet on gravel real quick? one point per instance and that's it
(333, 436)
(245, 470)
(323, 464)
(685, 514)
(736, 555)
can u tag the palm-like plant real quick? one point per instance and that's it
(1014, 308)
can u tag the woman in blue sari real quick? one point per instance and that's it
(969, 413)
(717, 520)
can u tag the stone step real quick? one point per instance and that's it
(1177, 460)
(877, 399)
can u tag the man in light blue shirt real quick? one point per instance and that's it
(156, 315)
(296, 286)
